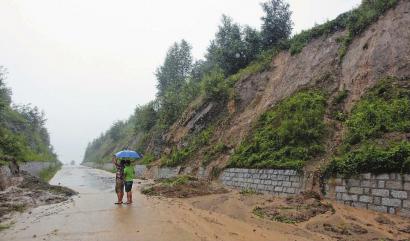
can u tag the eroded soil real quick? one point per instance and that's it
(29, 192)
(182, 187)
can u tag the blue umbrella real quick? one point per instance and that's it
(128, 154)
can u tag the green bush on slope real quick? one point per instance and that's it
(180, 155)
(286, 136)
(384, 109)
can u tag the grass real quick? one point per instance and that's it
(178, 180)
(258, 211)
(214, 152)
(147, 159)
(286, 136)
(249, 192)
(384, 109)
(336, 109)
(49, 172)
(147, 191)
(179, 156)
(260, 64)
(4, 226)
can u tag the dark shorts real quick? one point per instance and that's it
(119, 186)
(128, 186)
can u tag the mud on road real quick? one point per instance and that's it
(28, 192)
(91, 215)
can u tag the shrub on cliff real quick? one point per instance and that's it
(367, 147)
(286, 136)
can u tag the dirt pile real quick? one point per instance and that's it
(339, 222)
(182, 187)
(28, 192)
(295, 209)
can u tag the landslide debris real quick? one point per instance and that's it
(29, 192)
(182, 187)
(295, 209)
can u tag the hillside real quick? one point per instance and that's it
(23, 135)
(335, 98)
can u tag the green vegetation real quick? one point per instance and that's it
(178, 180)
(276, 23)
(179, 156)
(260, 64)
(336, 108)
(373, 158)
(214, 152)
(355, 21)
(360, 18)
(214, 86)
(49, 172)
(286, 136)
(5, 226)
(384, 109)
(249, 192)
(147, 159)
(23, 135)
(260, 212)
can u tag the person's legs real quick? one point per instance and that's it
(119, 189)
(120, 196)
(129, 198)
(128, 188)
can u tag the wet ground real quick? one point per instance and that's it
(91, 215)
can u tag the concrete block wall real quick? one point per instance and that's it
(388, 193)
(279, 182)
(140, 170)
(168, 172)
(5, 177)
(34, 168)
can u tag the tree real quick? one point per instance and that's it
(252, 43)
(145, 117)
(173, 77)
(214, 85)
(5, 94)
(277, 23)
(175, 69)
(115, 131)
(233, 48)
(227, 49)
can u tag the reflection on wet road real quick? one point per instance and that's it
(84, 179)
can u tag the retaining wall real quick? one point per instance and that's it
(388, 193)
(34, 168)
(279, 182)
(7, 179)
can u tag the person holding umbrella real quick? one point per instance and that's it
(119, 175)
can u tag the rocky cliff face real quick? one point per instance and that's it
(382, 50)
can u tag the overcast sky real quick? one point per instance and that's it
(88, 63)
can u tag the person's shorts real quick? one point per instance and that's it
(119, 186)
(128, 186)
